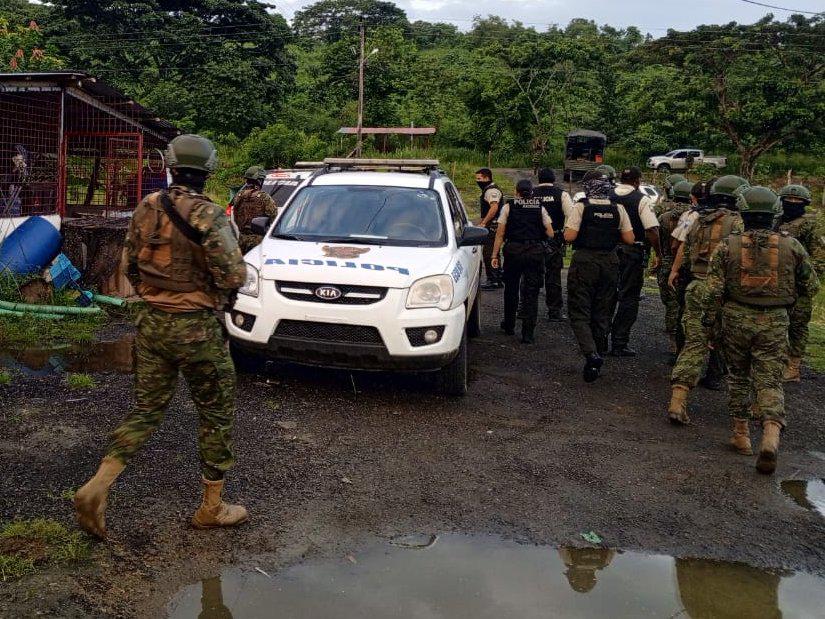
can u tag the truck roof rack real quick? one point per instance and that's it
(400, 165)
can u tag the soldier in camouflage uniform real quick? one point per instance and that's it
(714, 224)
(803, 227)
(250, 202)
(668, 219)
(667, 202)
(758, 275)
(183, 259)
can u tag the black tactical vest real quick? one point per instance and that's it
(485, 206)
(631, 203)
(524, 221)
(599, 228)
(551, 197)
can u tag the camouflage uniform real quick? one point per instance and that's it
(804, 230)
(758, 274)
(178, 332)
(670, 297)
(251, 202)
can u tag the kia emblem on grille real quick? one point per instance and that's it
(328, 293)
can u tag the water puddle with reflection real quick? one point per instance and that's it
(809, 494)
(482, 577)
(88, 357)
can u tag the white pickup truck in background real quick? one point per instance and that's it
(684, 159)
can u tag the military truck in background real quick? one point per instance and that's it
(583, 151)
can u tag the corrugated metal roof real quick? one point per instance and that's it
(389, 130)
(99, 90)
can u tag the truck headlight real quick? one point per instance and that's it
(434, 291)
(250, 286)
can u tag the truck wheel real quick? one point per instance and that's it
(664, 168)
(245, 361)
(452, 378)
(474, 320)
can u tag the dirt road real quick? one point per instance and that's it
(328, 458)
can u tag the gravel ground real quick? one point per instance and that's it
(327, 458)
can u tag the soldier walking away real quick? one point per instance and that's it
(182, 257)
(715, 223)
(490, 200)
(682, 200)
(558, 205)
(251, 202)
(803, 227)
(523, 227)
(595, 227)
(670, 182)
(755, 276)
(633, 259)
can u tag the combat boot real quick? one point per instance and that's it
(740, 440)
(792, 370)
(213, 512)
(91, 499)
(766, 461)
(677, 411)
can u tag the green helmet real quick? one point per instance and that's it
(796, 191)
(682, 190)
(192, 151)
(255, 173)
(727, 186)
(674, 179)
(758, 199)
(608, 170)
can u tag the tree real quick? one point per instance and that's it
(332, 20)
(22, 48)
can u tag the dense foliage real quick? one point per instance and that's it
(236, 70)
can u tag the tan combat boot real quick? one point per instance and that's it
(91, 499)
(677, 411)
(213, 512)
(792, 374)
(740, 440)
(766, 461)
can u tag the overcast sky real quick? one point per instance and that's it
(654, 16)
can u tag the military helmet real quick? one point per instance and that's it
(758, 199)
(799, 192)
(682, 190)
(192, 151)
(674, 179)
(608, 170)
(255, 173)
(727, 186)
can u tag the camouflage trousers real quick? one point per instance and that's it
(756, 343)
(800, 316)
(669, 296)
(248, 242)
(693, 356)
(192, 344)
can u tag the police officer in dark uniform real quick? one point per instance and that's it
(523, 227)
(595, 227)
(557, 202)
(489, 203)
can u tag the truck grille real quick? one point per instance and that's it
(328, 332)
(350, 295)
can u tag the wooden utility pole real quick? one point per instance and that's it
(359, 144)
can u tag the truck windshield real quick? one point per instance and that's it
(372, 215)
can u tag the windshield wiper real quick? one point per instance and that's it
(361, 240)
(287, 237)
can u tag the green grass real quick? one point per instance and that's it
(80, 381)
(26, 545)
(815, 353)
(5, 378)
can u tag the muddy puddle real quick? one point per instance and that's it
(88, 357)
(479, 577)
(809, 494)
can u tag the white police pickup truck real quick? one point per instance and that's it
(371, 264)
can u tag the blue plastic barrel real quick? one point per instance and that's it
(32, 246)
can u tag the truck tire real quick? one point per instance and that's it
(664, 168)
(245, 362)
(474, 319)
(452, 378)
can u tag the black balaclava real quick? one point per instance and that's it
(792, 210)
(191, 178)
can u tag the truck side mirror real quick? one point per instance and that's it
(260, 225)
(473, 235)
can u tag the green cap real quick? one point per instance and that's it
(255, 173)
(796, 191)
(758, 199)
(727, 186)
(608, 170)
(192, 151)
(681, 191)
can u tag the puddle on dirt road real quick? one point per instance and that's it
(88, 357)
(809, 494)
(474, 577)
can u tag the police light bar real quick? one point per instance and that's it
(301, 165)
(409, 165)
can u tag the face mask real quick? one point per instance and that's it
(792, 210)
(483, 184)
